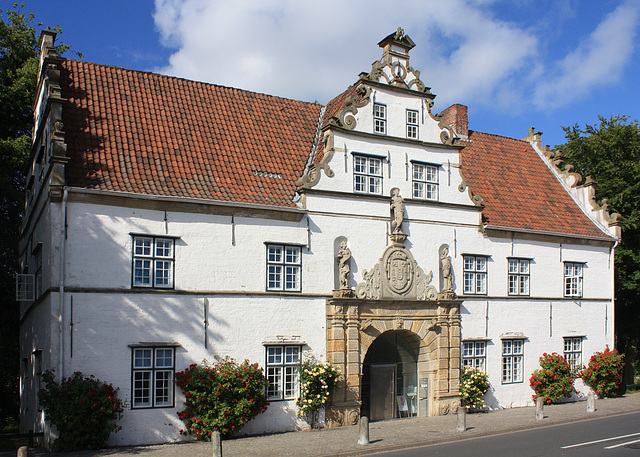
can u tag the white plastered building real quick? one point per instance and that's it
(170, 221)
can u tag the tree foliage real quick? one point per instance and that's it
(610, 153)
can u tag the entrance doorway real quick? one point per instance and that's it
(389, 378)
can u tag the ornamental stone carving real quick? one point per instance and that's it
(396, 276)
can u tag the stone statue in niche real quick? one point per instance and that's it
(344, 262)
(447, 274)
(397, 211)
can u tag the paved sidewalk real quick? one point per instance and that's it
(384, 435)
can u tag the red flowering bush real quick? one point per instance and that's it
(83, 409)
(553, 380)
(222, 396)
(604, 373)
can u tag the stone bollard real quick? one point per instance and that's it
(539, 408)
(363, 427)
(23, 451)
(462, 419)
(216, 444)
(591, 402)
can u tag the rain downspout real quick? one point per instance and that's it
(63, 239)
(612, 260)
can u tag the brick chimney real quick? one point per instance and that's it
(456, 116)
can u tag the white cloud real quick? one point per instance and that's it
(599, 60)
(314, 50)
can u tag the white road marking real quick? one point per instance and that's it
(622, 444)
(599, 441)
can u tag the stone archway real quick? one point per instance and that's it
(432, 327)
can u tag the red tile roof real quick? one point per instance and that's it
(151, 134)
(519, 190)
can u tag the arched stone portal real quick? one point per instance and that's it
(396, 296)
(431, 328)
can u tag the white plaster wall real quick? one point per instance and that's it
(396, 166)
(397, 103)
(106, 324)
(100, 247)
(544, 323)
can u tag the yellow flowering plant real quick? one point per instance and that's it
(317, 381)
(474, 384)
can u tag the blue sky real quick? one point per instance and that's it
(515, 63)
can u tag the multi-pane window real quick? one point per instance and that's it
(153, 261)
(367, 174)
(573, 352)
(379, 118)
(573, 279)
(284, 267)
(475, 275)
(412, 124)
(519, 276)
(512, 361)
(153, 369)
(474, 354)
(282, 372)
(425, 181)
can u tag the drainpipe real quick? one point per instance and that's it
(63, 239)
(613, 294)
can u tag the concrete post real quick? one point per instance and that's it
(216, 444)
(363, 426)
(539, 408)
(462, 419)
(23, 451)
(591, 402)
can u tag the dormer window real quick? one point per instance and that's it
(379, 118)
(412, 124)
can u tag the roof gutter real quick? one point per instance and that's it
(544, 232)
(196, 201)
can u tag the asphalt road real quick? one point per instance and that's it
(614, 436)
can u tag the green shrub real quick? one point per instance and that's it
(553, 380)
(317, 381)
(221, 397)
(474, 383)
(83, 409)
(604, 373)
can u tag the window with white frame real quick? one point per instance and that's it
(475, 275)
(412, 123)
(512, 361)
(519, 276)
(425, 181)
(153, 262)
(152, 373)
(282, 372)
(367, 174)
(379, 118)
(573, 352)
(573, 279)
(474, 354)
(284, 267)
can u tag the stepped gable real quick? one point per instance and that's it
(151, 134)
(518, 190)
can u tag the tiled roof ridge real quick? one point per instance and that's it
(472, 132)
(193, 81)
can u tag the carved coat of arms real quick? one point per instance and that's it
(399, 271)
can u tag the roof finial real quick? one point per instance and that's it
(399, 33)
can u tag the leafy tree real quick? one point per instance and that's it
(18, 76)
(610, 153)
